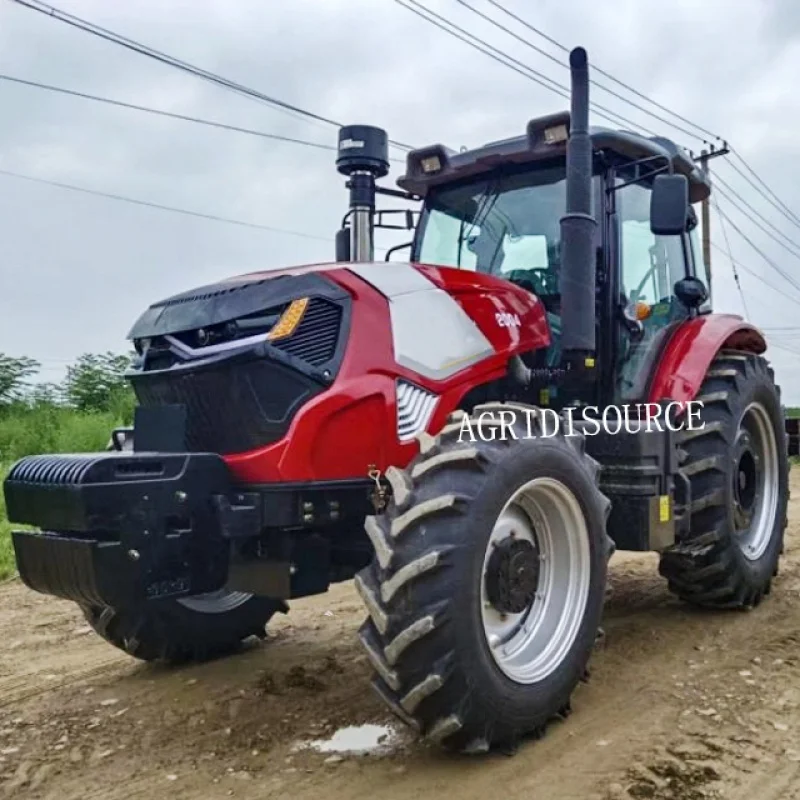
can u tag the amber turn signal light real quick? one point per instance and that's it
(289, 320)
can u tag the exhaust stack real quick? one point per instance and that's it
(578, 267)
(363, 157)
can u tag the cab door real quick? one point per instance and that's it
(649, 266)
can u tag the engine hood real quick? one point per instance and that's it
(250, 294)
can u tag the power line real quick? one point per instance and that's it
(754, 211)
(760, 184)
(161, 113)
(730, 258)
(749, 271)
(508, 61)
(785, 348)
(790, 248)
(161, 207)
(758, 250)
(558, 61)
(172, 115)
(765, 192)
(605, 74)
(137, 47)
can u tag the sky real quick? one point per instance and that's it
(77, 270)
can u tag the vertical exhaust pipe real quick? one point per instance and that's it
(363, 155)
(578, 266)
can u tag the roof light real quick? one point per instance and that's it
(289, 320)
(430, 164)
(555, 135)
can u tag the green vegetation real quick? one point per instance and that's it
(75, 416)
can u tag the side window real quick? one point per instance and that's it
(701, 269)
(651, 265)
(440, 243)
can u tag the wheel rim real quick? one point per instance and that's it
(217, 602)
(755, 481)
(530, 644)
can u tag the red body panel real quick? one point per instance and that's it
(351, 426)
(691, 350)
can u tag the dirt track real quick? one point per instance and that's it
(681, 705)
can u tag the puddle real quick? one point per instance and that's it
(356, 740)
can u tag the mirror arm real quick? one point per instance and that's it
(396, 248)
(667, 168)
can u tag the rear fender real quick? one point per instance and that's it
(694, 345)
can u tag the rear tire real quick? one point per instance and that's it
(180, 631)
(738, 471)
(456, 549)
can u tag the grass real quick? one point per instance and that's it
(7, 565)
(44, 429)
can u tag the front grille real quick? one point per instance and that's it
(231, 406)
(317, 335)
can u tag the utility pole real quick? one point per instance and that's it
(705, 209)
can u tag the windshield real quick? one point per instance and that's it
(507, 226)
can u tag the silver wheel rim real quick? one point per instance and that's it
(218, 602)
(755, 481)
(530, 645)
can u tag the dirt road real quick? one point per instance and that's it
(681, 705)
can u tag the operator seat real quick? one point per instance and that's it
(490, 255)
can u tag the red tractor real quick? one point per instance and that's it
(449, 432)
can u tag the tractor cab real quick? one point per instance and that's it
(598, 224)
(498, 210)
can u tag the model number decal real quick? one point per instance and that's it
(506, 320)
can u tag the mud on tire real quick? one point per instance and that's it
(738, 473)
(426, 589)
(178, 631)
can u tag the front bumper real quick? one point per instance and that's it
(123, 527)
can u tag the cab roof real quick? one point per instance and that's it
(545, 138)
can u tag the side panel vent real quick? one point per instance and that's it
(415, 408)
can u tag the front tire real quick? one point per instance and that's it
(486, 591)
(185, 630)
(738, 471)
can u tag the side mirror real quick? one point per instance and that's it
(691, 292)
(669, 205)
(343, 244)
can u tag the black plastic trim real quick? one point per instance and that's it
(228, 300)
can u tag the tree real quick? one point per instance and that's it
(14, 374)
(45, 394)
(96, 382)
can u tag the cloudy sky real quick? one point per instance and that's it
(76, 270)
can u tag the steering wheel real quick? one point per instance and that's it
(636, 293)
(537, 280)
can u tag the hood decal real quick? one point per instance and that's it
(431, 332)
